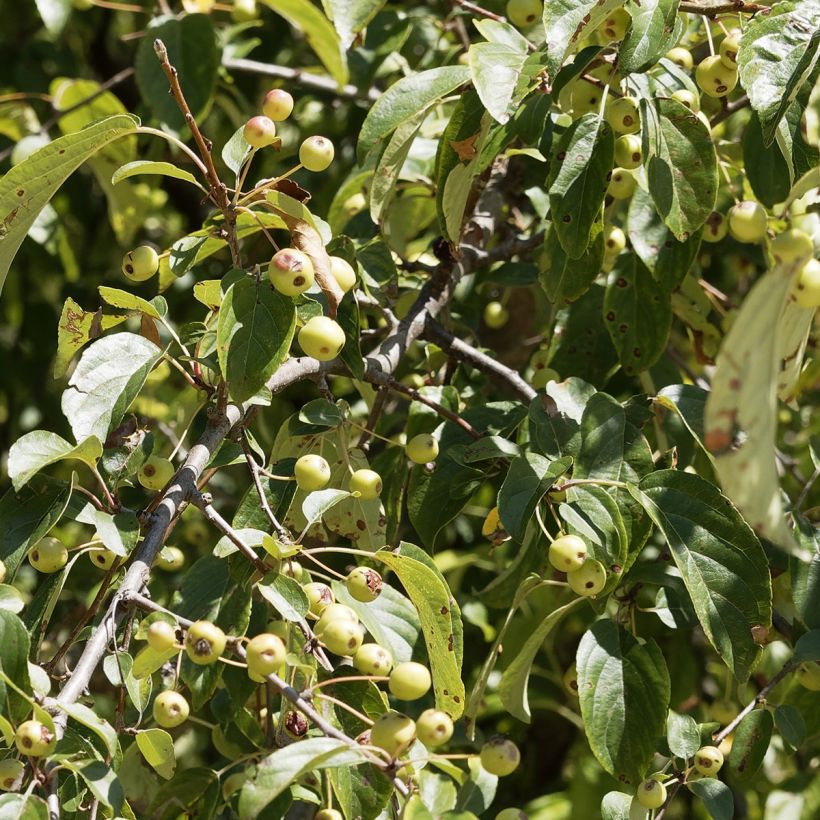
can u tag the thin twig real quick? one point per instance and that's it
(713, 10)
(728, 110)
(281, 531)
(372, 419)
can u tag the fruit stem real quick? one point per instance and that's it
(330, 699)
(281, 531)
(348, 679)
(243, 175)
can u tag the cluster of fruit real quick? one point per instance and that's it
(651, 793)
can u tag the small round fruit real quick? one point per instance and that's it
(614, 241)
(140, 264)
(312, 472)
(48, 555)
(244, 11)
(336, 612)
(368, 483)
(155, 473)
(568, 553)
(11, 774)
(34, 738)
(291, 272)
(170, 709)
(584, 98)
(628, 151)
(708, 760)
(589, 580)
(393, 732)
(103, 558)
(328, 814)
(342, 271)
(495, 315)
(792, 247)
(681, 56)
(714, 78)
(687, 98)
(372, 659)
(615, 25)
(204, 642)
(715, 228)
(434, 728)
(342, 637)
(541, 378)
(2, 572)
(500, 756)
(265, 654)
(322, 338)
(170, 559)
(729, 48)
(747, 221)
(622, 184)
(623, 114)
(364, 584)
(316, 153)
(161, 636)
(806, 290)
(570, 680)
(319, 597)
(277, 105)
(259, 131)
(410, 681)
(808, 676)
(651, 793)
(524, 13)
(422, 449)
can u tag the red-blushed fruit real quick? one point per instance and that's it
(364, 584)
(410, 681)
(568, 553)
(265, 654)
(161, 636)
(322, 338)
(291, 272)
(170, 709)
(434, 728)
(316, 153)
(393, 732)
(372, 659)
(204, 642)
(500, 756)
(367, 483)
(259, 131)
(34, 739)
(708, 760)
(277, 105)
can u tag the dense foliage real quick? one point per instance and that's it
(407, 409)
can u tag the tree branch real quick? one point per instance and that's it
(715, 9)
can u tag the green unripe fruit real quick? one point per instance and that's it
(170, 709)
(34, 739)
(161, 636)
(155, 473)
(328, 814)
(48, 555)
(808, 676)
(806, 290)
(570, 680)
(103, 558)
(335, 612)
(11, 774)
(312, 473)
(319, 596)
(589, 580)
(681, 56)
(747, 221)
(204, 642)
(393, 732)
(140, 264)
(170, 559)
(316, 153)
(500, 756)
(495, 315)
(628, 151)
(2, 573)
(367, 483)
(264, 654)
(342, 637)
(434, 728)
(277, 105)
(259, 131)
(615, 25)
(342, 271)
(364, 584)
(372, 659)
(729, 48)
(714, 78)
(708, 760)
(524, 13)
(715, 228)
(584, 98)
(511, 814)
(792, 247)
(322, 338)
(622, 184)
(291, 272)
(623, 114)
(410, 681)
(422, 448)
(651, 793)
(541, 378)
(614, 241)
(568, 553)
(687, 98)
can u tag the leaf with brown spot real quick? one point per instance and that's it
(466, 148)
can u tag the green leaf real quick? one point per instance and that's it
(118, 668)
(624, 690)
(476, 793)
(749, 745)
(555, 419)
(616, 806)
(689, 402)
(638, 314)
(681, 166)
(36, 450)
(317, 503)
(27, 187)
(581, 165)
(101, 780)
(682, 735)
(11, 599)
(23, 807)
(716, 796)
(790, 724)
(564, 279)
(75, 328)
(144, 166)
(383, 189)
(719, 558)
(192, 792)
(107, 379)
(91, 720)
(513, 686)
(766, 167)
(440, 620)
(405, 99)
(148, 660)
(249, 536)
(119, 532)
(777, 53)
(193, 51)
(287, 205)
(157, 748)
(279, 770)
(14, 651)
(321, 36)
(807, 647)
(651, 34)
(351, 16)
(285, 595)
(55, 14)
(128, 301)
(254, 332)
(528, 479)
